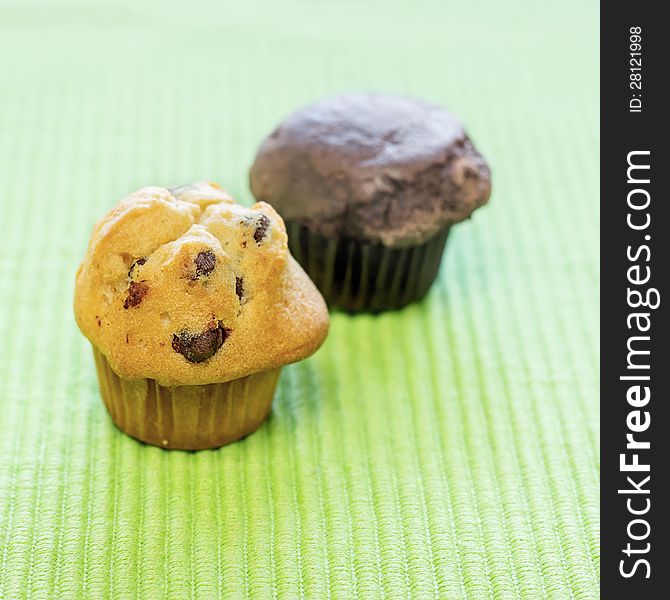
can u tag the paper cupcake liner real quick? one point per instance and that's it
(357, 276)
(187, 417)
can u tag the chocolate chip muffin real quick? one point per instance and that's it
(193, 304)
(369, 185)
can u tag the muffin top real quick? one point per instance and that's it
(187, 287)
(373, 167)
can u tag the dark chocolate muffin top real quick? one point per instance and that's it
(374, 167)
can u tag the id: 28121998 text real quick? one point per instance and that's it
(635, 69)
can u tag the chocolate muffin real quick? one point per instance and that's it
(369, 185)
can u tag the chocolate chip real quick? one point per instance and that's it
(197, 347)
(136, 293)
(204, 263)
(138, 261)
(239, 287)
(261, 229)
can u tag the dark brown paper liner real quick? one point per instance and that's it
(186, 417)
(357, 276)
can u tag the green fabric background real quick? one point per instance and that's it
(448, 450)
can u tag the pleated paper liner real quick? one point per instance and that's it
(187, 417)
(357, 276)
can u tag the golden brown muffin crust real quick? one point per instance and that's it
(187, 287)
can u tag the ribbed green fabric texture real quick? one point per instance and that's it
(447, 450)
